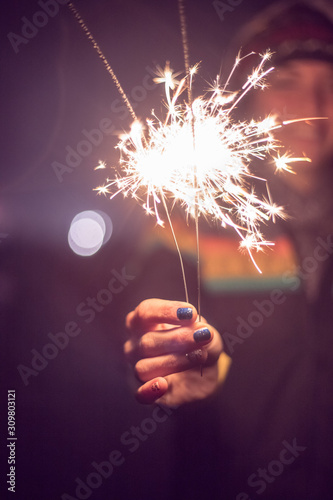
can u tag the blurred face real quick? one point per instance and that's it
(302, 89)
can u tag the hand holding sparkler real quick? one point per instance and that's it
(200, 158)
(167, 344)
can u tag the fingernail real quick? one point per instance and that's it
(201, 335)
(155, 387)
(184, 313)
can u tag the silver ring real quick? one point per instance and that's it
(195, 357)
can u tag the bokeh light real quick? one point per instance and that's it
(89, 231)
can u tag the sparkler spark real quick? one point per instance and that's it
(200, 158)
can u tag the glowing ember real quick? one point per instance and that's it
(200, 157)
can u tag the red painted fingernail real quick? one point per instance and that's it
(155, 387)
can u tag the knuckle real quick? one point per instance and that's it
(140, 370)
(142, 308)
(129, 319)
(133, 321)
(128, 349)
(146, 344)
(184, 336)
(127, 346)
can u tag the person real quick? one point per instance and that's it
(258, 420)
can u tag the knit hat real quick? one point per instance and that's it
(291, 30)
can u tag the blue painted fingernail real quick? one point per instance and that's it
(201, 335)
(184, 313)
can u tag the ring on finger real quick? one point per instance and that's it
(195, 357)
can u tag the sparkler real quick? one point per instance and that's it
(198, 156)
(158, 160)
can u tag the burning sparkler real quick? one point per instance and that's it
(199, 156)
(158, 160)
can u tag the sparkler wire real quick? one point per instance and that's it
(86, 30)
(177, 246)
(212, 179)
(186, 53)
(123, 95)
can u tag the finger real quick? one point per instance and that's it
(152, 390)
(215, 347)
(161, 366)
(155, 311)
(179, 339)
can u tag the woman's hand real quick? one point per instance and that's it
(169, 348)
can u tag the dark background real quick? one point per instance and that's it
(74, 411)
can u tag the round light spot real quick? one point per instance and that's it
(89, 230)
